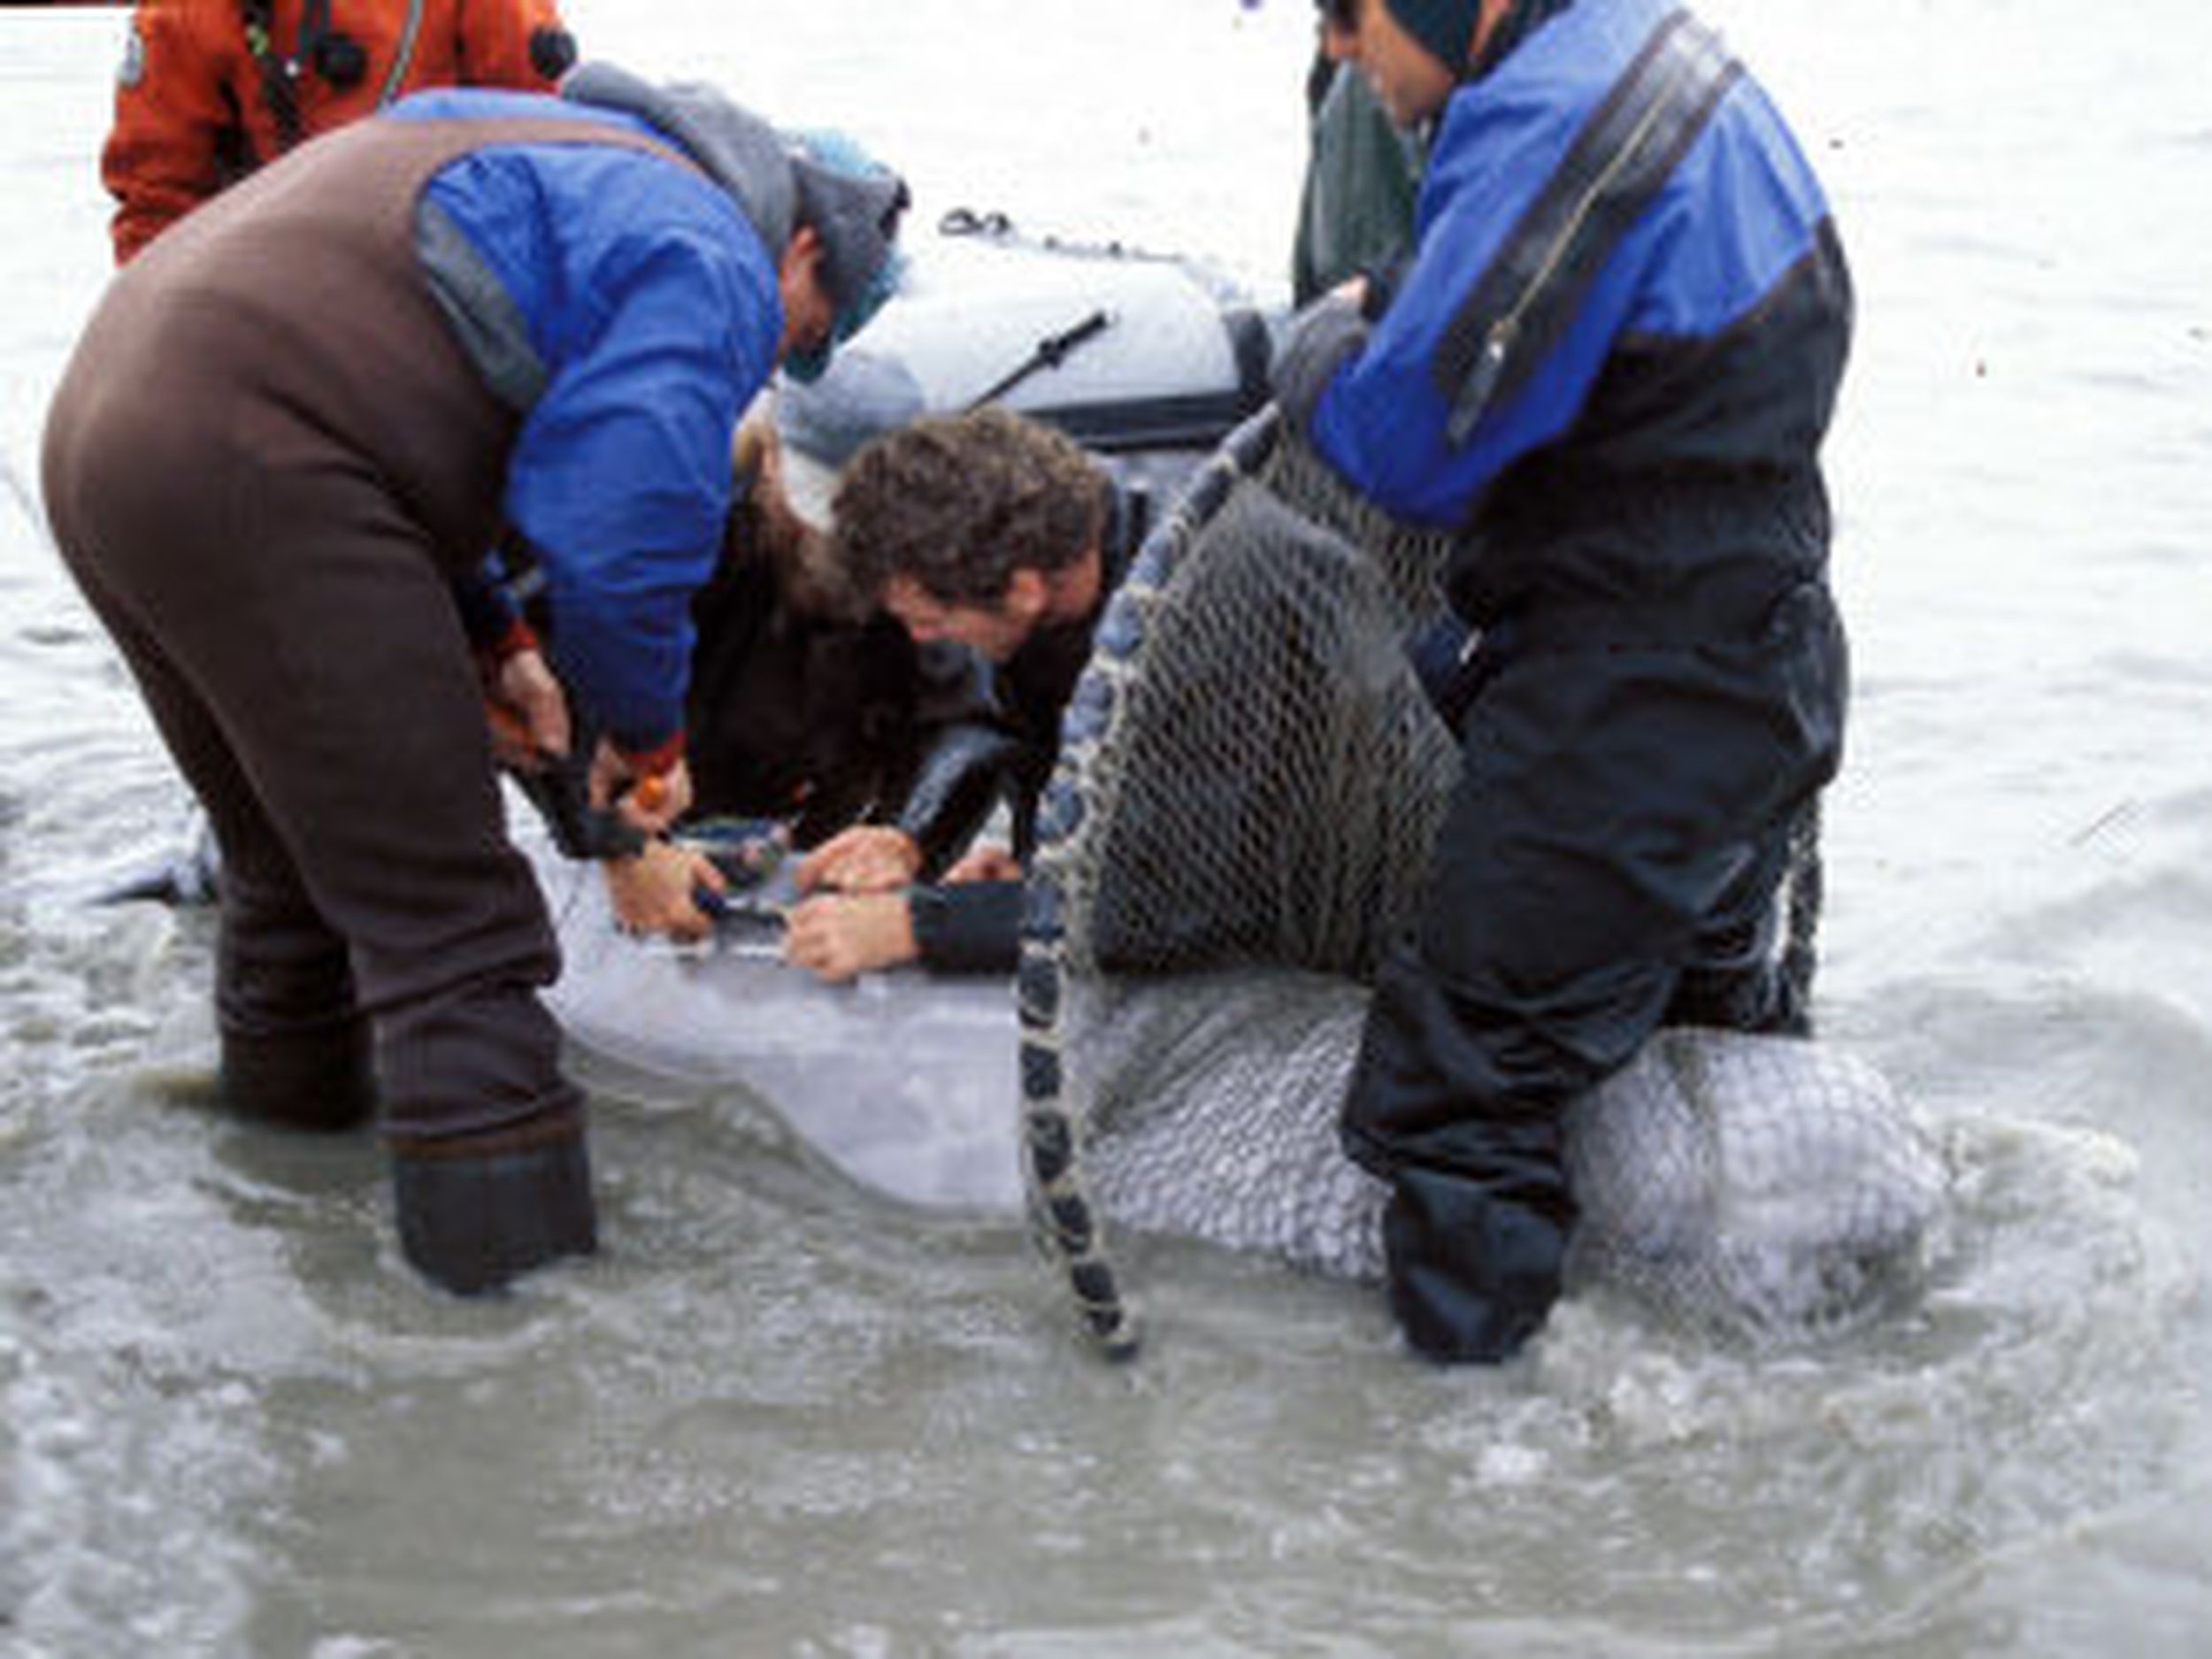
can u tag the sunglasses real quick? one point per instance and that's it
(1341, 15)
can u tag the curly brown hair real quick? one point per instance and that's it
(957, 503)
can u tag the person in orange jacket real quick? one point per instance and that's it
(210, 90)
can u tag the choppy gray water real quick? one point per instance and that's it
(782, 1415)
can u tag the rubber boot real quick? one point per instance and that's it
(1473, 1275)
(476, 1211)
(323, 1080)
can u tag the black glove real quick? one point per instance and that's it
(477, 1210)
(1473, 1275)
(1314, 347)
(561, 791)
(967, 926)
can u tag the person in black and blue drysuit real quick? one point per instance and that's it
(1609, 367)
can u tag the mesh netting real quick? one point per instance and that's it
(1250, 781)
(1250, 771)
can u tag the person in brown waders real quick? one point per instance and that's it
(292, 431)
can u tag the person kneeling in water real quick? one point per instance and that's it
(994, 533)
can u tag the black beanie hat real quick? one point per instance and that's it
(1444, 28)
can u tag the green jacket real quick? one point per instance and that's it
(1357, 211)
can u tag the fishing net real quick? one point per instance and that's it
(1250, 781)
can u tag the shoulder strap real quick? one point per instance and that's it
(1521, 304)
(276, 74)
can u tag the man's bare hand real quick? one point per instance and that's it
(652, 803)
(989, 862)
(840, 935)
(867, 858)
(529, 714)
(656, 891)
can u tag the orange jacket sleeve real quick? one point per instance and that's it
(175, 102)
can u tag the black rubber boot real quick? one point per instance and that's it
(1473, 1275)
(476, 1211)
(322, 1080)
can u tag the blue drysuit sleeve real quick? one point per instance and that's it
(1381, 420)
(1738, 211)
(621, 475)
